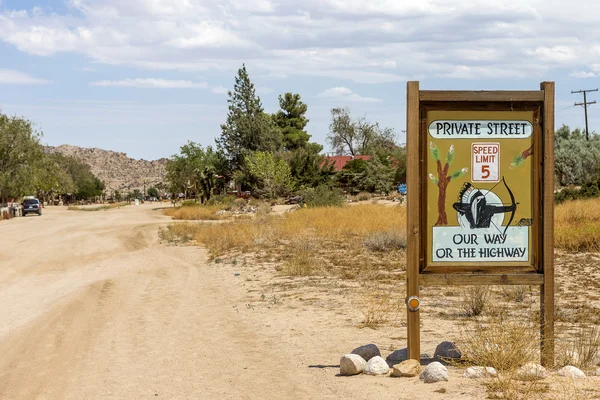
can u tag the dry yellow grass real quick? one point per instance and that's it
(345, 224)
(98, 208)
(194, 212)
(577, 225)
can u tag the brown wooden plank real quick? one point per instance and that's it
(482, 95)
(538, 179)
(479, 269)
(547, 292)
(413, 213)
(480, 106)
(476, 279)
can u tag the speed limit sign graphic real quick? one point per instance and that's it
(485, 162)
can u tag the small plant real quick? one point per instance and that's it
(385, 241)
(475, 300)
(514, 293)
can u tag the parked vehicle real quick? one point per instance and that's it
(31, 206)
(402, 188)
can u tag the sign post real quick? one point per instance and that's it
(480, 173)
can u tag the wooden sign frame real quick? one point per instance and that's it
(541, 270)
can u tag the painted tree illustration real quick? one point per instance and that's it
(443, 179)
(520, 158)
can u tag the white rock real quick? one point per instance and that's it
(598, 371)
(480, 372)
(447, 351)
(377, 366)
(408, 368)
(572, 372)
(352, 364)
(434, 372)
(531, 372)
(367, 351)
(397, 357)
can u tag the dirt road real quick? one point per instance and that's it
(94, 307)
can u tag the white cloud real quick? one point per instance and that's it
(220, 90)
(152, 83)
(582, 74)
(12, 77)
(345, 94)
(378, 41)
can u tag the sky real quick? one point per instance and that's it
(145, 76)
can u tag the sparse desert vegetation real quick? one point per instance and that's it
(360, 250)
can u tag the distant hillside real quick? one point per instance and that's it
(118, 171)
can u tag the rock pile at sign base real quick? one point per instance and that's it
(377, 366)
(434, 372)
(531, 372)
(352, 364)
(446, 351)
(480, 372)
(571, 372)
(408, 369)
(367, 351)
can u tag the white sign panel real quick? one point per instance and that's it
(455, 244)
(484, 129)
(485, 162)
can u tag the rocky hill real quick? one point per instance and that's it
(118, 171)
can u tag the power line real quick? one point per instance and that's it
(585, 104)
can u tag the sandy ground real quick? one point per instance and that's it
(94, 307)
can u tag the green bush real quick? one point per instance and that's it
(323, 196)
(585, 192)
(219, 199)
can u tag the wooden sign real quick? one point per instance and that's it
(480, 176)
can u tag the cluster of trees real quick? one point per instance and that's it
(272, 154)
(25, 169)
(576, 160)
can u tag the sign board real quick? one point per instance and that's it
(480, 199)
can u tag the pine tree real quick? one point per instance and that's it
(291, 120)
(247, 128)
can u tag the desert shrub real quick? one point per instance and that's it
(515, 293)
(475, 299)
(581, 351)
(384, 241)
(378, 304)
(503, 342)
(178, 233)
(362, 196)
(323, 196)
(301, 263)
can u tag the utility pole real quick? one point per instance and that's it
(585, 104)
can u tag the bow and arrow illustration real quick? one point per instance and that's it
(473, 205)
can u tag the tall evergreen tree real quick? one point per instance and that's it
(247, 128)
(291, 120)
